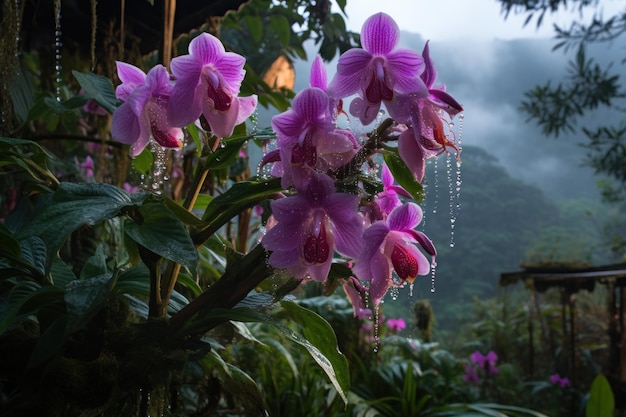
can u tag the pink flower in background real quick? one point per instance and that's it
(396, 325)
(486, 362)
(563, 382)
(130, 188)
(144, 113)
(87, 166)
(208, 82)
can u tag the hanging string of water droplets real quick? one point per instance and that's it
(58, 44)
(9, 56)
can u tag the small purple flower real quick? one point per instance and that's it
(390, 243)
(130, 188)
(396, 325)
(388, 198)
(207, 83)
(562, 382)
(379, 71)
(144, 113)
(486, 362)
(87, 166)
(310, 226)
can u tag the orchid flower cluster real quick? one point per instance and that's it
(481, 364)
(316, 220)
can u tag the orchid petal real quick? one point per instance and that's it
(185, 103)
(206, 48)
(380, 271)
(131, 77)
(318, 77)
(446, 102)
(222, 123)
(350, 66)
(125, 125)
(405, 217)
(430, 73)
(380, 34)
(412, 154)
(247, 105)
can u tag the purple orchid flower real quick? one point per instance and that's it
(396, 325)
(144, 113)
(308, 140)
(207, 83)
(562, 382)
(88, 166)
(389, 244)
(388, 199)
(131, 77)
(486, 362)
(379, 71)
(310, 226)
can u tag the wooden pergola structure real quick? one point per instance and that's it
(569, 280)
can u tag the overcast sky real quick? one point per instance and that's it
(462, 19)
(487, 63)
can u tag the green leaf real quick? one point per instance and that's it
(226, 153)
(241, 194)
(34, 253)
(255, 26)
(98, 88)
(601, 402)
(315, 335)
(61, 273)
(72, 206)
(164, 234)
(95, 266)
(282, 28)
(237, 382)
(84, 298)
(403, 175)
(143, 162)
(10, 246)
(321, 342)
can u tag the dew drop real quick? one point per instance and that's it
(58, 44)
(433, 268)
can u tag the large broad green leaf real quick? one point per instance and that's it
(601, 402)
(242, 194)
(161, 232)
(10, 247)
(243, 388)
(84, 298)
(403, 175)
(72, 206)
(321, 342)
(34, 253)
(315, 335)
(98, 88)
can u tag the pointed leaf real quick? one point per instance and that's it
(321, 343)
(403, 175)
(84, 298)
(72, 206)
(162, 233)
(601, 402)
(98, 88)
